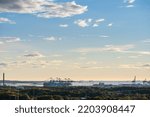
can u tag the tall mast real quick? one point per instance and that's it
(3, 79)
(134, 81)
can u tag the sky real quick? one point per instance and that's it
(80, 39)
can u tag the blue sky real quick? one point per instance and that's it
(80, 39)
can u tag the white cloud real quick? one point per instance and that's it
(129, 1)
(146, 41)
(113, 48)
(130, 6)
(6, 20)
(42, 8)
(63, 25)
(52, 38)
(140, 52)
(110, 25)
(88, 22)
(129, 66)
(57, 55)
(82, 23)
(13, 40)
(97, 22)
(34, 55)
(56, 62)
(107, 48)
(133, 66)
(95, 25)
(92, 65)
(104, 36)
(10, 39)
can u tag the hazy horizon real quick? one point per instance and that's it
(79, 39)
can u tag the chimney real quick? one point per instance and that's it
(3, 79)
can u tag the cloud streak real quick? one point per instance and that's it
(6, 20)
(113, 48)
(52, 38)
(106, 48)
(63, 25)
(9, 39)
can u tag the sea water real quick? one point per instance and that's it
(74, 83)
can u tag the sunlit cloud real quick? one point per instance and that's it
(6, 20)
(135, 66)
(42, 8)
(56, 62)
(82, 23)
(106, 48)
(89, 22)
(57, 55)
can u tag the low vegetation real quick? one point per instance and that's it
(74, 93)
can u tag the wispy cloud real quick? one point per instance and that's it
(129, 3)
(2, 65)
(147, 41)
(56, 62)
(110, 25)
(57, 55)
(113, 48)
(97, 22)
(135, 66)
(89, 22)
(106, 48)
(34, 55)
(130, 6)
(63, 25)
(82, 23)
(9, 39)
(104, 36)
(42, 8)
(91, 65)
(52, 38)
(6, 20)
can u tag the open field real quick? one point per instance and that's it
(74, 93)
